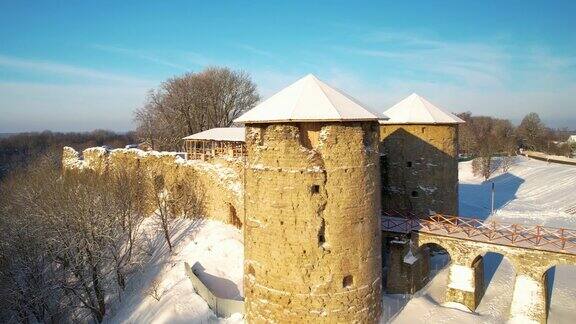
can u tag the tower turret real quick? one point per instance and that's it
(419, 158)
(312, 199)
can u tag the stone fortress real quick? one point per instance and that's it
(307, 186)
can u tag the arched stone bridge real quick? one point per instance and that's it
(532, 250)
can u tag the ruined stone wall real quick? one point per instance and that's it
(312, 237)
(220, 181)
(419, 168)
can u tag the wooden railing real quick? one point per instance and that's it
(206, 150)
(502, 233)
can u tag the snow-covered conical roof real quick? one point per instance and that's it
(416, 110)
(307, 100)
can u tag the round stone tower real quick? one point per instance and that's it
(312, 235)
(419, 158)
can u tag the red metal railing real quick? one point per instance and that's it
(502, 233)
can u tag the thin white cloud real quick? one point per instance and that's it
(255, 50)
(495, 77)
(140, 54)
(474, 63)
(198, 59)
(58, 69)
(554, 105)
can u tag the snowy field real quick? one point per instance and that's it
(531, 192)
(220, 250)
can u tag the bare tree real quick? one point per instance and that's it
(466, 138)
(181, 198)
(127, 209)
(484, 138)
(532, 132)
(66, 242)
(192, 103)
(164, 212)
(154, 290)
(29, 291)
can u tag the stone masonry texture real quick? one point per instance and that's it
(529, 265)
(312, 237)
(420, 168)
(219, 181)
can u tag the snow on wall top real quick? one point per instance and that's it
(231, 134)
(414, 109)
(308, 100)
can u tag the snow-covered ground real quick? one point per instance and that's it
(531, 192)
(220, 250)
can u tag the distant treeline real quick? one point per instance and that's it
(484, 137)
(20, 149)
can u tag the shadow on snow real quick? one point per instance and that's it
(475, 199)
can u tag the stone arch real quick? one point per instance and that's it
(498, 256)
(488, 263)
(436, 258)
(558, 281)
(459, 251)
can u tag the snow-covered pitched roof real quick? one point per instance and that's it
(307, 100)
(231, 134)
(417, 110)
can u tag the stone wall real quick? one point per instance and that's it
(312, 237)
(419, 168)
(406, 268)
(220, 181)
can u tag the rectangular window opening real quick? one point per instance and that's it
(347, 281)
(315, 189)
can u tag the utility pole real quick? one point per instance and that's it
(492, 202)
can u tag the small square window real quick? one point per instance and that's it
(315, 189)
(414, 193)
(409, 164)
(347, 281)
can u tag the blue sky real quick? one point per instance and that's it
(80, 65)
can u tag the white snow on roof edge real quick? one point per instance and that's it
(415, 109)
(308, 100)
(231, 134)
